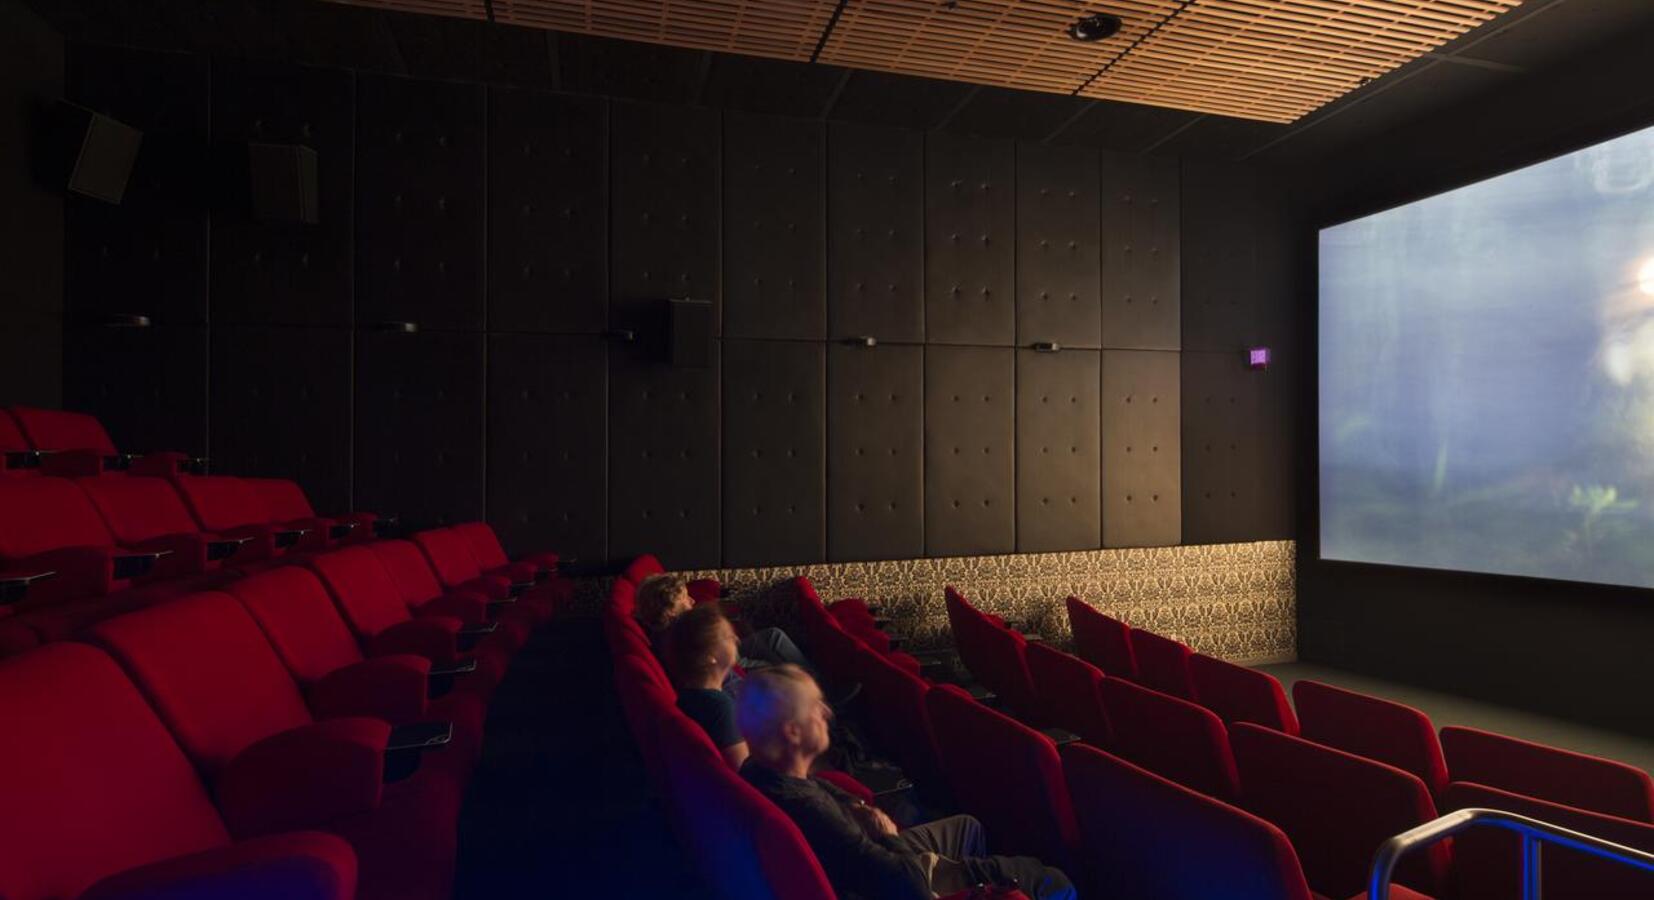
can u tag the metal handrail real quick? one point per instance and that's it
(1534, 834)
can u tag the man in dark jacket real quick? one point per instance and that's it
(784, 720)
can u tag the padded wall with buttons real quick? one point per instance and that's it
(970, 240)
(1058, 261)
(1058, 457)
(420, 224)
(1141, 252)
(148, 385)
(1238, 275)
(663, 460)
(875, 233)
(548, 443)
(774, 452)
(281, 273)
(665, 211)
(970, 450)
(548, 212)
(1142, 468)
(271, 417)
(775, 279)
(419, 426)
(1237, 437)
(875, 452)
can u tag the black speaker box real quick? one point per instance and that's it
(87, 152)
(691, 330)
(282, 182)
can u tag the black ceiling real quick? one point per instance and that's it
(1533, 38)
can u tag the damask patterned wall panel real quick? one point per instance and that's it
(282, 273)
(1059, 463)
(1141, 253)
(774, 452)
(548, 212)
(970, 240)
(970, 450)
(875, 233)
(774, 226)
(875, 452)
(1058, 253)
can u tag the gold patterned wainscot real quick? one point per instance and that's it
(1233, 601)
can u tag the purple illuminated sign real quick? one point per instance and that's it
(1258, 357)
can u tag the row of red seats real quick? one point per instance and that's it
(28, 430)
(265, 739)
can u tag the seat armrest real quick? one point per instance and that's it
(188, 551)
(137, 563)
(471, 635)
(420, 736)
(392, 688)
(14, 586)
(458, 668)
(515, 572)
(306, 864)
(433, 637)
(82, 572)
(288, 537)
(387, 525)
(341, 530)
(466, 606)
(1059, 736)
(494, 587)
(304, 776)
(24, 459)
(221, 548)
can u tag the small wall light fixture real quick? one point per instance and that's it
(1257, 358)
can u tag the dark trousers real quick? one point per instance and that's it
(962, 838)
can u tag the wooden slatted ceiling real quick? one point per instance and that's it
(1271, 60)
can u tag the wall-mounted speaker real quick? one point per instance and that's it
(691, 333)
(282, 182)
(88, 152)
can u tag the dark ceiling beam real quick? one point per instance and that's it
(826, 32)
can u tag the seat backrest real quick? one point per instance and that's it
(1548, 773)
(484, 543)
(1005, 654)
(1163, 664)
(42, 514)
(91, 783)
(1239, 694)
(831, 648)
(896, 718)
(1378, 729)
(208, 670)
(449, 554)
(221, 502)
(1070, 692)
(362, 588)
(11, 436)
(969, 627)
(1006, 774)
(1101, 640)
(283, 499)
(1336, 807)
(293, 608)
(410, 571)
(1487, 862)
(1149, 838)
(136, 508)
(641, 568)
(61, 429)
(1171, 737)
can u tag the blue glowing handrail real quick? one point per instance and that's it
(1534, 834)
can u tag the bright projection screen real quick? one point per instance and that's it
(1487, 374)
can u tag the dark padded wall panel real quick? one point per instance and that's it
(775, 468)
(1142, 471)
(774, 224)
(149, 254)
(970, 450)
(548, 212)
(663, 460)
(548, 443)
(1238, 280)
(419, 426)
(875, 237)
(421, 154)
(875, 453)
(1059, 464)
(666, 214)
(1058, 255)
(280, 273)
(970, 240)
(1238, 440)
(1141, 295)
(280, 407)
(148, 385)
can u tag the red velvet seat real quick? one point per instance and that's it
(995, 654)
(1486, 863)
(1548, 773)
(1372, 727)
(424, 595)
(1336, 807)
(1240, 694)
(11, 437)
(1101, 640)
(96, 800)
(642, 567)
(147, 514)
(830, 640)
(1070, 693)
(1171, 737)
(1163, 664)
(450, 556)
(60, 429)
(894, 714)
(287, 506)
(230, 506)
(237, 713)
(1007, 775)
(490, 553)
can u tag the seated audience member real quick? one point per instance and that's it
(662, 598)
(700, 652)
(784, 719)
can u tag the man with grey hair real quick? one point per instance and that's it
(784, 719)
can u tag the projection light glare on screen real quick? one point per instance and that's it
(1487, 374)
